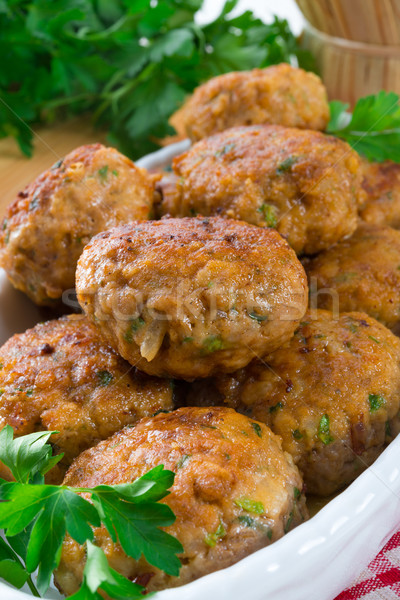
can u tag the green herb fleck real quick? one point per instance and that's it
(225, 149)
(105, 377)
(29, 392)
(388, 429)
(269, 213)
(161, 411)
(276, 407)
(343, 277)
(247, 521)
(187, 339)
(296, 433)
(375, 402)
(371, 337)
(251, 506)
(211, 539)
(212, 343)
(297, 493)
(115, 172)
(324, 430)
(257, 429)
(182, 462)
(289, 522)
(134, 326)
(256, 317)
(34, 203)
(253, 524)
(287, 164)
(103, 173)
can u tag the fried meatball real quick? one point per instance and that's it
(280, 94)
(191, 297)
(235, 491)
(332, 392)
(304, 183)
(61, 376)
(381, 184)
(46, 228)
(361, 273)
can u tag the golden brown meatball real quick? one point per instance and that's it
(361, 273)
(192, 297)
(280, 94)
(304, 183)
(61, 376)
(235, 491)
(332, 392)
(381, 184)
(45, 229)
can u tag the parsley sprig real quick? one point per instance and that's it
(373, 128)
(127, 65)
(36, 517)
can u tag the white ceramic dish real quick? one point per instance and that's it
(317, 560)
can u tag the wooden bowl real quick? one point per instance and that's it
(350, 69)
(372, 21)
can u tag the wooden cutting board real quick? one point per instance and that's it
(51, 144)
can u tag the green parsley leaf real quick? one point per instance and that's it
(36, 517)
(11, 568)
(28, 457)
(373, 129)
(88, 57)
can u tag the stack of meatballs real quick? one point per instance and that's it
(199, 346)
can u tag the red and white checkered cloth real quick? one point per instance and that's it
(381, 579)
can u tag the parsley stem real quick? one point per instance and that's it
(32, 587)
(29, 581)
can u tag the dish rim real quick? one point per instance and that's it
(374, 497)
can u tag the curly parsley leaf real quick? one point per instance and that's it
(373, 129)
(35, 518)
(127, 64)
